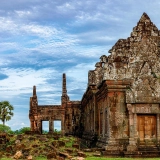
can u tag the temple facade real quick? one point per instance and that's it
(121, 106)
(122, 101)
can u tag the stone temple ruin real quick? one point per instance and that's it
(121, 106)
(68, 113)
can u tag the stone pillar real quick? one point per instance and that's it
(112, 144)
(108, 125)
(50, 125)
(53, 124)
(99, 114)
(158, 132)
(62, 125)
(32, 125)
(35, 125)
(92, 120)
(135, 126)
(40, 126)
(103, 121)
(132, 145)
(94, 117)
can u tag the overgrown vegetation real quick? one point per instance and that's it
(39, 146)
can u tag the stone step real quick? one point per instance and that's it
(131, 154)
(113, 153)
(147, 148)
(143, 154)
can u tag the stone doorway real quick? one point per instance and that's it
(146, 127)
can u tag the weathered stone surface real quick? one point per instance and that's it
(19, 146)
(81, 154)
(29, 157)
(3, 138)
(60, 158)
(64, 154)
(76, 145)
(51, 155)
(55, 144)
(44, 139)
(97, 154)
(77, 158)
(17, 142)
(19, 137)
(69, 150)
(18, 155)
(61, 143)
(87, 150)
(9, 149)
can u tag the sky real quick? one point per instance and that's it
(42, 39)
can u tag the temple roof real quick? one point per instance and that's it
(145, 25)
(145, 18)
(144, 28)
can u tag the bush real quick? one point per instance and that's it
(20, 131)
(4, 128)
(23, 130)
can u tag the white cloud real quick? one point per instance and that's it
(19, 28)
(23, 14)
(41, 31)
(20, 81)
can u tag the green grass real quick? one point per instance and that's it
(41, 158)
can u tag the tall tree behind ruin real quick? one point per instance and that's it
(6, 111)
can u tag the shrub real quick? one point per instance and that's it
(23, 130)
(4, 128)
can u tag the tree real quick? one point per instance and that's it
(6, 111)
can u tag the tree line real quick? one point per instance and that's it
(7, 129)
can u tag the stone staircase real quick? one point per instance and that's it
(145, 151)
(149, 151)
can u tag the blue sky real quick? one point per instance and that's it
(42, 39)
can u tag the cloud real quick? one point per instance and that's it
(40, 40)
(19, 81)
